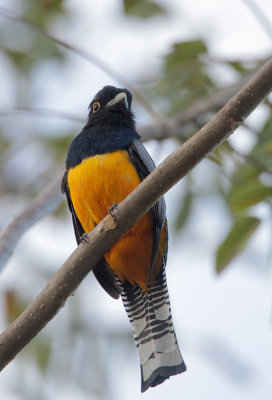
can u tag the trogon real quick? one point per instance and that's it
(105, 162)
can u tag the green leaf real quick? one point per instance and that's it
(246, 171)
(266, 132)
(43, 353)
(43, 49)
(268, 148)
(142, 8)
(39, 350)
(40, 49)
(248, 194)
(42, 11)
(262, 151)
(184, 78)
(184, 211)
(238, 66)
(218, 152)
(14, 306)
(21, 61)
(235, 241)
(185, 52)
(215, 159)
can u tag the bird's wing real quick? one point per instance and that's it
(79, 231)
(144, 165)
(102, 271)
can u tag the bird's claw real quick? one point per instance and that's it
(112, 209)
(84, 238)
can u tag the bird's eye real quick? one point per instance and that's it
(96, 106)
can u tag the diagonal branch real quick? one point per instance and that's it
(136, 204)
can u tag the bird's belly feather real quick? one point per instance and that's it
(95, 185)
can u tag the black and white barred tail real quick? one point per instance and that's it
(150, 316)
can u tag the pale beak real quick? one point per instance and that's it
(117, 99)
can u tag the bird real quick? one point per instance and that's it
(105, 162)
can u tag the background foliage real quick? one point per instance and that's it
(34, 136)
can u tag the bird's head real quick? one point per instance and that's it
(112, 106)
(110, 126)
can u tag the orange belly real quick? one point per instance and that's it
(95, 185)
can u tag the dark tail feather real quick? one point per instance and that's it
(150, 316)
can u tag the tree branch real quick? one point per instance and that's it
(45, 203)
(135, 205)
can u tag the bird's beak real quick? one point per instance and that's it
(117, 99)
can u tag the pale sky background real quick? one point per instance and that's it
(223, 324)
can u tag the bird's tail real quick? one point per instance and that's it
(150, 316)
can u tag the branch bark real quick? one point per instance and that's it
(176, 166)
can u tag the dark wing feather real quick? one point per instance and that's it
(79, 231)
(102, 271)
(144, 165)
(105, 276)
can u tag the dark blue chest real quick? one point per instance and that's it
(89, 143)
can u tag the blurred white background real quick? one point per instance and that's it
(223, 323)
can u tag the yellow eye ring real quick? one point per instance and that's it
(96, 106)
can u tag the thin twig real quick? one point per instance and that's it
(4, 12)
(43, 112)
(181, 124)
(135, 205)
(176, 126)
(45, 203)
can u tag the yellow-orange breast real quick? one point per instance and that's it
(95, 185)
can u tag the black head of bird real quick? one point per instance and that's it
(111, 107)
(110, 126)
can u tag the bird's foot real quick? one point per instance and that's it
(84, 238)
(112, 211)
